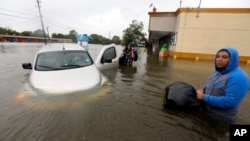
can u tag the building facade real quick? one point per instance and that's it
(193, 33)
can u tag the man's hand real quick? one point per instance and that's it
(200, 94)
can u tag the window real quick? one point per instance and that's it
(109, 53)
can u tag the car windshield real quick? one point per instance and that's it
(60, 60)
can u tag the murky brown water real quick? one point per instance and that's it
(128, 108)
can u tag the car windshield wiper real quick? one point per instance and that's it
(48, 67)
(71, 66)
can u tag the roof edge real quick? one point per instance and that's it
(201, 10)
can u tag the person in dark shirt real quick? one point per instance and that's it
(128, 55)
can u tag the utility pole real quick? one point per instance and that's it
(198, 10)
(38, 3)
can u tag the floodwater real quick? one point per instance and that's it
(128, 108)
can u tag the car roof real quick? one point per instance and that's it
(59, 47)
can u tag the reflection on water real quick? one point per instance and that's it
(127, 108)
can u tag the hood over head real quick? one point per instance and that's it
(233, 62)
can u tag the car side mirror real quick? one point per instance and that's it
(27, 66)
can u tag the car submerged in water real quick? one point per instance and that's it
(68, 67)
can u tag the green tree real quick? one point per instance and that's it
(72, 35)
(8, 31)
(95, 39)
(26, 33)
(58, 35)
(98, 39)
(134, 33)
(116, 40)
(3, 30)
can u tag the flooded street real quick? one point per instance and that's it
(127, 108)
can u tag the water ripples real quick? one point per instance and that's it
(128, 107)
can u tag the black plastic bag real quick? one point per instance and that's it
(181, 95)
(136, 55)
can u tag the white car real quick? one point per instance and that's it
(66, 67)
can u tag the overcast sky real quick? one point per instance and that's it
(103, 17)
